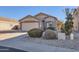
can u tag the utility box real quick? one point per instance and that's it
(61, 36)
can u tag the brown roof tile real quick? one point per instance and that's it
(45, 15)
(28, 17)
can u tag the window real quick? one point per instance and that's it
(50, 24)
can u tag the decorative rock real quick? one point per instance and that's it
(49, 34)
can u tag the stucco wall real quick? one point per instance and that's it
(51, 19)
(7, 25)
(76, 23)
(41, 17)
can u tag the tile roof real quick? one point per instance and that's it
(38, 15)
(29, 16)
(41, 13)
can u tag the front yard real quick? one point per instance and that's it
(22, 41)
(70, 44)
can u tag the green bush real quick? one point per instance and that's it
(35, 32)
(49, 34)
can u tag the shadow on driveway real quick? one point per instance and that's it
(8, 49)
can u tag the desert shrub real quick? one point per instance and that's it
(35, 32)
(49, 34)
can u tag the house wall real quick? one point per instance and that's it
(41, 17)
(76, 20)
(51, 20)
(48, 21)
(6, 26)
(76, 23)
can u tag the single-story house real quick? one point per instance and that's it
(41, 20)
(7, 24)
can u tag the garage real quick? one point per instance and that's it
(28, 23)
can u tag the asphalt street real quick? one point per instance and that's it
(8, 49)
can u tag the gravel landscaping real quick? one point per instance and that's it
(72, 44)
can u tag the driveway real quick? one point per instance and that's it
(23, 42)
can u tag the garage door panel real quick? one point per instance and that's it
(28, 26)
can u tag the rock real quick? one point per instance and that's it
(49, 34)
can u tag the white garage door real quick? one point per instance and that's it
(28, 26)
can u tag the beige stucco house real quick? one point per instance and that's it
(7, 24)
(41, 20)
(76, 19)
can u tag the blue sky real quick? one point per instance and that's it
(17, 12)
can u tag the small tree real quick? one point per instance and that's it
(69, 21)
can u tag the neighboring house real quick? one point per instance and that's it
(76, 19)
(41, 20)
(7, 24)
(59, 25)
